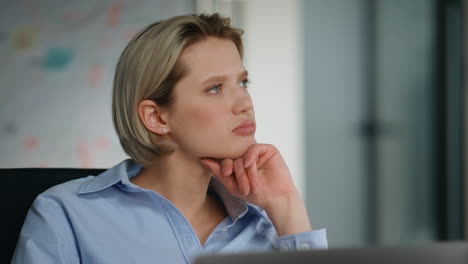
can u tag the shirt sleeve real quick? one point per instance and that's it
(316, 239)
(46, 236)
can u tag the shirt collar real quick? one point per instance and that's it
(235, 207)
(124, 171)
(121, 172)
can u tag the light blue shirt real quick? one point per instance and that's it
(108, 219)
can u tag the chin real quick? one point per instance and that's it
(235, 149)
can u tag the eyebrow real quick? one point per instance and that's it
(221, 77)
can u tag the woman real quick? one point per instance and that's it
(197, 181)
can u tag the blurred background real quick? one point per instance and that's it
(364, 98)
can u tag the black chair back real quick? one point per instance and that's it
(20, 187)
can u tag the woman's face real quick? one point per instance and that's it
(212, 113)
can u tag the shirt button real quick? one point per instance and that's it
(305, 246)
(225, 229)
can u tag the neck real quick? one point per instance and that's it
(181, 179)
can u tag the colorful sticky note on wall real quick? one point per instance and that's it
(84, 154)
(58, 58)
(24, 39)
(30, 143)
(113, 15)
(95, 75)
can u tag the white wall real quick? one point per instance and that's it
(272, 58)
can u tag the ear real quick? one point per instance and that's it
(152, 117)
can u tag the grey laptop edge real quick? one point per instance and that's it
(437, 253)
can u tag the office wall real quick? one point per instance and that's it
(370, 181)
(334, 85)
(405, 55)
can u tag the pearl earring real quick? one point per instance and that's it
(164, 130)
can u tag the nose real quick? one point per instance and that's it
(242, 102)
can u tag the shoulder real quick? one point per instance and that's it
(76, 192)
(49, 208)
(48, 226)
(74, 188)
(61, 192)
(71, 186)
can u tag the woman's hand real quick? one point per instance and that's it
(261, 177)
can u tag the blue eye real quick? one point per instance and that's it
(245, 83)
(214, 90)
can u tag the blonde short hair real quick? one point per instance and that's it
(148, 68)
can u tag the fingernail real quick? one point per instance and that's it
(246, 163)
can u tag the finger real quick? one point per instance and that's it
(267, 155)
(259, 153)
(252, 154)
(253, 178)
(241, 176)
(226, 167)
(212, 165)
(230, 183)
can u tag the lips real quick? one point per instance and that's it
(245, 128)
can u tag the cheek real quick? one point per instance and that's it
(209, 119)
(204, 130)
(212, 122)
